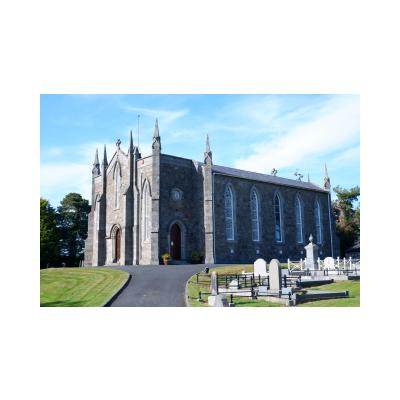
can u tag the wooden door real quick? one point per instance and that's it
(175, 242)
(118, 245)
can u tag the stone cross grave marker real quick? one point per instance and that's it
(275, 275)
(311, 255)
(260, 267)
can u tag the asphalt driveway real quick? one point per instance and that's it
(156, 286)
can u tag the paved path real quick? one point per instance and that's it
(156, 286)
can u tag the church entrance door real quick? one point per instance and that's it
(175, 242)
(117, 245)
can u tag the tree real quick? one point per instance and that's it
(347, 216)
(73, 224)
(49, 234)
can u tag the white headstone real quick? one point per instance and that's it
(329, 263)
(214, 283)
(260, 267)
(233, 284)
(275, 275)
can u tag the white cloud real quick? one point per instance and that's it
(334, 126)
(165, 116)
(53, 152)
(60, 178)
(63, 178)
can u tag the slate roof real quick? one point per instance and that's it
(255, 176)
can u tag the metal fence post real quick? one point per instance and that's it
(284, 281)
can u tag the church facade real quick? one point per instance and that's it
(143, 207)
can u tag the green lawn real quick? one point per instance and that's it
(203, 285)
(79, 287)
(352, 301)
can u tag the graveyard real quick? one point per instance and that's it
(307, 283)
(201, 283)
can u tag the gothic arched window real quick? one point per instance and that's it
(229, 214)
(299, 220)
(255, 216)
(117, 185)
(146, 212)
(318, 224)
(278, 218)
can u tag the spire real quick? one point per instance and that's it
(156, 133)
(105, 162)
(308, 177)
(208, 152)
(327, 180)
(96, 158)
(156, 137)
(131, 148)
(96, 164)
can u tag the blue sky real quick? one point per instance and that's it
(252, 132)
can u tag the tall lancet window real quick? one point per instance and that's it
(146, 212)
(299, 220)
(318, 224)
(117, 185)
(255, 216)
(278, 218)
(229, 214)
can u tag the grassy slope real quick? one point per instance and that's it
(79, 287)
(353, 301)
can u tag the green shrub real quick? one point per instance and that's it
(196, 257)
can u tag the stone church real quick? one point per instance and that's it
(143, 207)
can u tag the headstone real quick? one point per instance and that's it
(214, 291)
(260, 267)
(275, 275)
(262, 291)
(233, 284)
(329, 263)
(311, 255)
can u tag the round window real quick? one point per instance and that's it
(176, 194)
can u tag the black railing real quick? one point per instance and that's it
(248, 280)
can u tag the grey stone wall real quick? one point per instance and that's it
(185, 176)
(243, 248)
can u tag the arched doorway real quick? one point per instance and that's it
(117, 249)
(175, 235)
